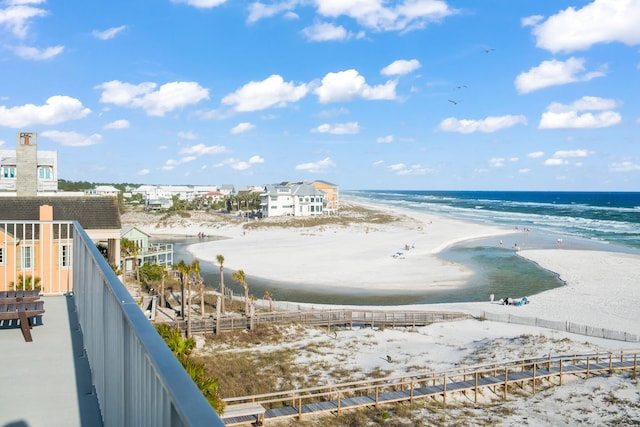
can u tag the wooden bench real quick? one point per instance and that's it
(21, 311)
(236, 414)
(19, 296)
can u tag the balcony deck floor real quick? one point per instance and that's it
(47, 382)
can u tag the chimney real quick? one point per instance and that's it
(26, 164)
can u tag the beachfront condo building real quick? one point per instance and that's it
(37, 170)
(298, 199)
(331, 196)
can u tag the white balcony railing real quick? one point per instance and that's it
(138, 381)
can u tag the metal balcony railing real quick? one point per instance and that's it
(137, 379)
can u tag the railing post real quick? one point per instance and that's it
(560, 371)
(610, 363)
(475, 390)
(534, 374)
(506, 377)
(444, 390)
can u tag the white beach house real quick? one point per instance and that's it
(299, 199)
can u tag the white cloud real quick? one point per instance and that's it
(168, 97)
(240, 166)
(72, 139)
(17, 16)
(560, 157)
(143, 172)
(201, 149)
(324, 31)
(118, 124)
(601, 21)
(242, 128)
(258, 10)
(317, 167)
(497, 162)
(524, 170)
(625, 166)
(400, 16)
(561, 116)
(57, 109)
(553, 73)
(187, 135)
(562, 154)
(531, 21)
(400, 67)
(347, 85)
(385, 139)
(378, 163)
(254, 160)
(584, 103)
(488, 125)
(108, 33)
(573, 120)
(555, 162)
(403, 169)
(201, 4)
(27, 52)
(271, 92)
(172, 163)
(338, 129)
(535, 154)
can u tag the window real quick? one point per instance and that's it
(1, 257)
(44, 172)
(26, 258)
(8, 172)
(65, 256)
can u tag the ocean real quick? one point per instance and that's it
(588, 219)
(581, 220)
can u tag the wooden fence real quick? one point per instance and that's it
(328, 318)
(524, 373)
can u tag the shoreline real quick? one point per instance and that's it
(599, 290)
(389, 257)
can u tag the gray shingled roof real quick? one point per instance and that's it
(92, 213)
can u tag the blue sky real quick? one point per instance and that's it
(366, 94)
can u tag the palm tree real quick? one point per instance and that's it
(193, 271)
(220, 259)
(183, 269)
(195, 268)
(129, 249)
(26, 283)
(267, 295)
(164, 273)
(239, 277)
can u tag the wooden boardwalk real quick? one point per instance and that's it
(471, 381)
(328, 318)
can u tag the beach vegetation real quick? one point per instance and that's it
(240, 277)
(183, 273)
(129, 249)
(220, 260)
(182, 348)
(26, 282)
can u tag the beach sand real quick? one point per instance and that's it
(601, 287)
(398, 256)
(601, 291)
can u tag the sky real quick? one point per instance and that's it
(365, 94)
